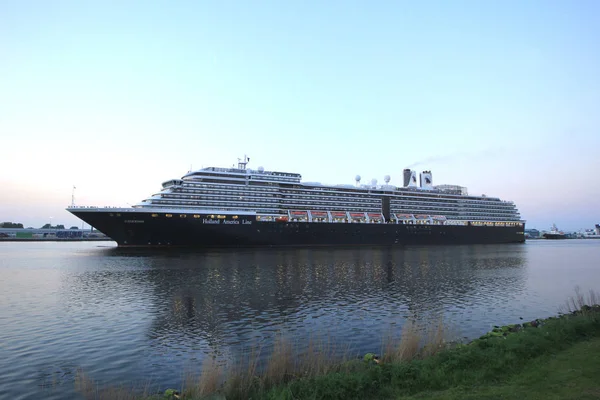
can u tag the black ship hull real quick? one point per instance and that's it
(554, 236)
(139, 229)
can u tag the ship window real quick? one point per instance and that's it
(168, 215)
(182, 216)
(196, 216)
(155, 215)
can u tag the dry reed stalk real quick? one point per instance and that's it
(436, 339)
(190, 383)
(389, 347)
(320, 357)
(312, 359)
(281, 363)
(209, 381)
(89, 389)
(579, 300)
(576, 303)
(412, 344)
(403, 349)
(410, 339)
(242, 376)
(85, 385)
(594, 298)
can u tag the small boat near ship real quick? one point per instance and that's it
(554, 233)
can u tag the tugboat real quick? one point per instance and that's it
(554, 234)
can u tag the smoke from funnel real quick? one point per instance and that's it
(431, 160)
(479, 155)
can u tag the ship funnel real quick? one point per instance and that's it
(406, 177)
(407, 173)
(410, 178)
(426, 180)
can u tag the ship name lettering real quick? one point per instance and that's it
(246, 222)
(231, 222)
(211, 221)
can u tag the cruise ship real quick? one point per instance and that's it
(239, 206)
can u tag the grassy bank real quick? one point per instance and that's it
(568, 374)
(557, 357)
(486, 367)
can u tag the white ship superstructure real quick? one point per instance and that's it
(272, 195)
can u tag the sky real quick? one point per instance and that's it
(115, 97)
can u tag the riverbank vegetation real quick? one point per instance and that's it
(558, 357)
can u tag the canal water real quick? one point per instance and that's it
(149, 317)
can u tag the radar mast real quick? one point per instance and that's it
(242, 164)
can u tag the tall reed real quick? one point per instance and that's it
(90, 389)
(416, 341)
(285, 362)
(579, 301)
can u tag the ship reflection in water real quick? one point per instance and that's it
(230, 301)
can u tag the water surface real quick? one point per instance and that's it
(128, 316)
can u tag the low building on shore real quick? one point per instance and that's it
(33, 233)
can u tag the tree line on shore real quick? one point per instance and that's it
(19, 225)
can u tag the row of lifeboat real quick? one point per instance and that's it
(335, 216)
(353, 217)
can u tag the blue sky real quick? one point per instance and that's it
(116, 97)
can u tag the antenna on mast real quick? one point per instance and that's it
(242, 164)
(73, 197)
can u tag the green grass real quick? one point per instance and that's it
(570, 374)
(514, 366)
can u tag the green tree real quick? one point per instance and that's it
(11, 225)
(48, 226)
